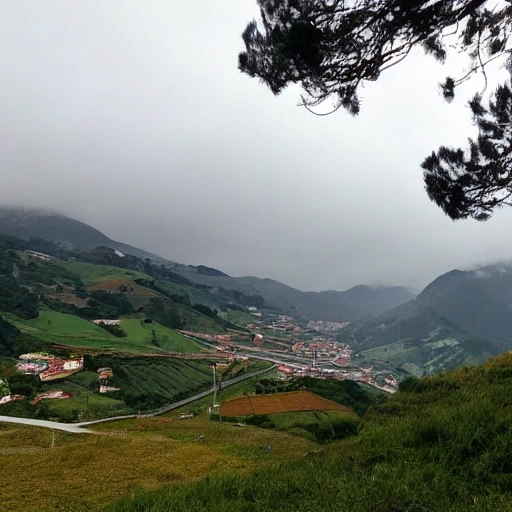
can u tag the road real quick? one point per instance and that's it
(66, 427)
(181, 403)
(79, 428)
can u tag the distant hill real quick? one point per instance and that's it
(25, 223)
(462, 317)
(335, 306)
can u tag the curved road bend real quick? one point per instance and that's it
(78, 428)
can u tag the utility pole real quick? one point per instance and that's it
(214, 366)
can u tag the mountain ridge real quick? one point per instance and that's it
(461, 317)
(331, 305)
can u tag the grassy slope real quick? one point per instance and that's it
(83, 472)
(166, 379)
(103, 277)
(91, 273)
(305, 419)
(141, 334)
(442, 445)
(88, 404)
(241, 318)
(55, 327)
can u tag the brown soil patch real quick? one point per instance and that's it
(113, 285)
(293, 401)
(67, 295)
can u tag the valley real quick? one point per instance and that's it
(199, 376)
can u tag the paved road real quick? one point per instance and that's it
(66, 427)
(78, 428)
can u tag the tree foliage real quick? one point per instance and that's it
(476, 181)
(331, 47)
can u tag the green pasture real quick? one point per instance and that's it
(91, 273)
(54, 327)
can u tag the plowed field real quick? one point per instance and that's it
(279, 403)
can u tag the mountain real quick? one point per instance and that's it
(331, 305)
(25, 223)
(462, 317)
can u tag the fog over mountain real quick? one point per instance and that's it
(135, 120)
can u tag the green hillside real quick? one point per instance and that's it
(156, 336)
(147, 383)
(91, 273)
(440, 444)
(73, 331)
(55, 327)
(460, 318)
(203, 284)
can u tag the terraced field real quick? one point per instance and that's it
(167, 379)
(293, 401)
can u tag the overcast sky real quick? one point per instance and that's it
(132, 116)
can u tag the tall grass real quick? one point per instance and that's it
(441, 444)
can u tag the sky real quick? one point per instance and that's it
(132, 116)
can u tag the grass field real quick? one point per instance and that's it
(84, 472)
(306, 419)
(140, 333)
(73, 331)
(83, 404)
(241, 318)
(137, 295)
(91, 274)
(115, 283)
(55, 327)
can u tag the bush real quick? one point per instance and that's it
(261, 420)
(113, 329)
(24, 384)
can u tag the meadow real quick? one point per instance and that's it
(91, 273)
(84, 472)
(73, 331)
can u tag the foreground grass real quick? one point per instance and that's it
(83, 472)
(442, 444)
